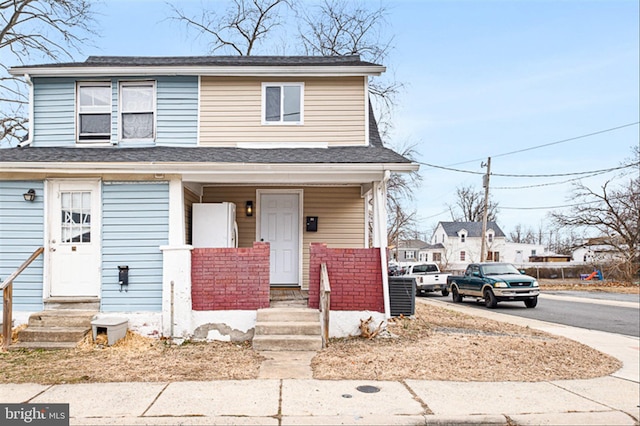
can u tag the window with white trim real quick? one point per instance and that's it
(282, 103)
(463, 238)
(137, 110)
(409, 255)
(490, 237)
(463, 256)
(94, 111)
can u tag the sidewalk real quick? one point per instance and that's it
(611, 400)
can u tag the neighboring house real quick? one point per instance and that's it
(120, 148)
(459, 243)
(596, 250)
(409, 251)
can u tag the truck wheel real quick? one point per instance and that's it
(531, 303)
(445, 292)
(457, 298)
(490, 300)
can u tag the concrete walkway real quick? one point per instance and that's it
(610, 400)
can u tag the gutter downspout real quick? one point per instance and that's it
(22, 144)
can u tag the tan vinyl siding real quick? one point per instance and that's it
(340, 211)
(341, 220)
(231, 112)
(189, 198)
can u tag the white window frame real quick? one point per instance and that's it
(121, 111)
(93, 110)
(409, 254)
(281, 122)
(490, 237)
(463, 256)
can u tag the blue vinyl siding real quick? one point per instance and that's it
(176, 110)
(135, 223)
(53, 112)
(21, 233)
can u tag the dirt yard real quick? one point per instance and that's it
(592, 286)
(436, 344)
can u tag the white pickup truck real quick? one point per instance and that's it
(428, 278)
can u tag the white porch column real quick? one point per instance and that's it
(176, 269)
(380, 234)
(176, 291)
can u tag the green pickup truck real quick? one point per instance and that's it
(494, 282)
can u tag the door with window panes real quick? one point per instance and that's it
(74, 238)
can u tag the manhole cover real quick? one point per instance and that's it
(346, 395)
(368, 389)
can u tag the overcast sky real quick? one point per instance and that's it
(481, 78)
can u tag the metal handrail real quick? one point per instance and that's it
(7, 297)
(325, 303)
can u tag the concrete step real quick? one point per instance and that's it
(42, 345)
(287, 343)
(53, 334)
(62, 318)
(72, 303)
(288, 314)
(311, 328)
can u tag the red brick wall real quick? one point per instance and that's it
(230, 278)
(354, 274)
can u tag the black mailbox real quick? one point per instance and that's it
(123, 277)
(312, 223)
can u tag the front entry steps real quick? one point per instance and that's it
(55, 329)
(287, 329)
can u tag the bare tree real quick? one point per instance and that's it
(469, 206)
(522, 234)
(614, 212)
(50, 29)
(240, 28)
(339, 28)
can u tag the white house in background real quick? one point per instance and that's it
(595, 250)
(457, 244)
(408, 251)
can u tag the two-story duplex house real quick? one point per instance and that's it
(120, 148)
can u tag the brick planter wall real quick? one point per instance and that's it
(354, 274)
(230, 278)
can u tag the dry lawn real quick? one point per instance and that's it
(591, 286)
(436, 344)
(134, 359)
(439, 344)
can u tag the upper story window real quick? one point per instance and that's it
(463, 256)
(490, 237)
(137, 110)
(94, 111)
(282, 103)
(463, 238)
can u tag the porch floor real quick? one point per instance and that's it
(287, 296)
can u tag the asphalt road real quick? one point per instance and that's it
(594, 311)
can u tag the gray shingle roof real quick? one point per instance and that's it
(474, 229)
(336, 155)
(262, 61)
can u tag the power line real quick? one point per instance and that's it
(553, 143)
(547, 207)
(532, 176)
(546, 184)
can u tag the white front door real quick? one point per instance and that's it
(74, 238)
(280, 227)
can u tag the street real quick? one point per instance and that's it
(609, 312)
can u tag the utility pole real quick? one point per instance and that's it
(485, 184)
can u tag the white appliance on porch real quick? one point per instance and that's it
(214, 225)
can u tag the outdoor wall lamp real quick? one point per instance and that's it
(249, 208)
(30, 195)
